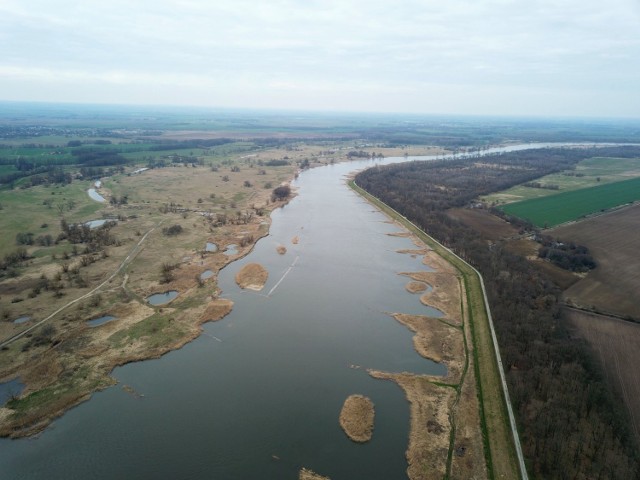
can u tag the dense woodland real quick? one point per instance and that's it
(571, 426)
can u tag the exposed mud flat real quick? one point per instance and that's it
(252, 276)
(357, 417)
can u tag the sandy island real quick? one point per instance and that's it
(356, 418)
(252, 276)
(306, 474)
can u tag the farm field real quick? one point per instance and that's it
(490, 226)
(613, 241)
(615, 344)
(564, 207)
(588, 173)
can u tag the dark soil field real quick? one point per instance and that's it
(615, 343)
(613, 240)
(490, 226)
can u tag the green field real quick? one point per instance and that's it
(564, 207)
(24, 210)
(588, 173)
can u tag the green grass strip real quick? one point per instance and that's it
(556, 209)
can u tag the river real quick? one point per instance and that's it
(258, 395)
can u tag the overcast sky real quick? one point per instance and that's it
(514, 57)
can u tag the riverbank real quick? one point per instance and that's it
(480, 416)
(64, 360)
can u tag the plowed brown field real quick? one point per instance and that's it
(613, 240)
(615, 344)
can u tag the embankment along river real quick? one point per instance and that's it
(258, 395)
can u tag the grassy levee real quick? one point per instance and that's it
(500, 450)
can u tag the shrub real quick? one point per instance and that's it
(172, 230)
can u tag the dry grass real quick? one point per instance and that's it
(252, 276)
(437, 341)
(445, 436)
(357, 417)
(430, 429)
(306, 474)
(445, 295)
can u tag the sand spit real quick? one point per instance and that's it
(306, 474)
(430, 429)
(416, 287)
(437, 341)
(356, 418)
(252, 276)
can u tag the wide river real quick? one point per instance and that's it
(258, 395)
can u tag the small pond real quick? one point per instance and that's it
(98, 184)
(231, 249)
(100, 320)
(211, 247)
(206, 274)
(9, 389)
(98, 223)
(95, 195)
(22, 319)
(162, 298)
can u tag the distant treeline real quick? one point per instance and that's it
(163, 145)
(571, 426)
(466, 132)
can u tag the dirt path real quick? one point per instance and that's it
(132, 254)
